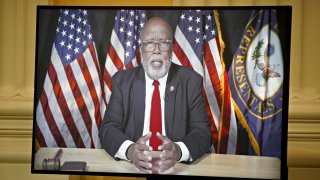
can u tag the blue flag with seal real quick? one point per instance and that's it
(256, 82)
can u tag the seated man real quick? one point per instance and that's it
(159, 104)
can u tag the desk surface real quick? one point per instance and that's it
(209, 165)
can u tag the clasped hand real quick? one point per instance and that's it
(138, 154)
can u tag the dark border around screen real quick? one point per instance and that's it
(286, 45)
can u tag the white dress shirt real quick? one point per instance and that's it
(146, 126)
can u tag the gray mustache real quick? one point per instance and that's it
(156, 60)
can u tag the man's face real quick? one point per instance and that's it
(156, 61)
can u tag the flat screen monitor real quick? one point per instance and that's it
(224, 84)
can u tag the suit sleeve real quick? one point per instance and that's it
(198, 139)
(110, 133)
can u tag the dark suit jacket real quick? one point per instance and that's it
(186, 118)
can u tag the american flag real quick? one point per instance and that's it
(124, 45)
(199, 46)
(71, 105)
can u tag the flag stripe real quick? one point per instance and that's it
(175, 58)
(214, 108)
(91, 86)
(99, 89)
(53, 113)
(112, 53)
(43, 126)
(93, 52)
(107, 85)
(110, 71)
(77, 85)
(98, 85)
(64, 107)
(91, 99)
(39, 136)
(50, 120)
(183, 59)
(134, 62)
(116, 44)
(232, 141)
(216, 57)
(188, 51)
(97, 80)
(213, 126)
(213, 72)
(225, 117)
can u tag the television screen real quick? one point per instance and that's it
(189, 92)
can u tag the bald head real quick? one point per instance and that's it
(156, 25)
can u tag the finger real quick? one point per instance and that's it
(164, 155)
(143, 157)
(144, 170)
(168, 155)
(145, 165)
(164, 165)
(162, 138)
(143, 147)
(145, 138)
(167, 162)
(167, 146)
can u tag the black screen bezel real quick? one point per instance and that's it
(286, 56)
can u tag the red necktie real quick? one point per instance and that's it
(155, 117)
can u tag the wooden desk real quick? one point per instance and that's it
(209, 165)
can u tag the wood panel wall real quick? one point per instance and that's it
(17, 58)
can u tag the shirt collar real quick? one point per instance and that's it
(162, 80)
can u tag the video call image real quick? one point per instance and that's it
(162, 91)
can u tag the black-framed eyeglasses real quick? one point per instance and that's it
(164, 45)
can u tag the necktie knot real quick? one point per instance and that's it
(155, 83)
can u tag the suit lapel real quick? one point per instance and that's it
(170, 94)
(139, 93)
